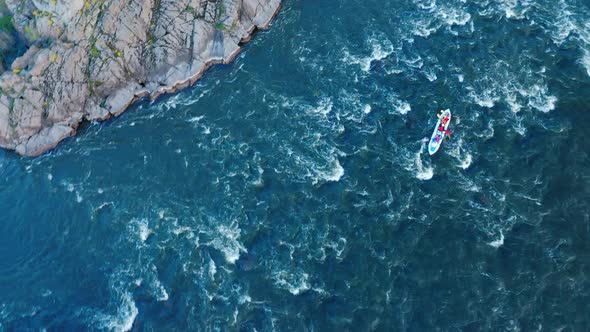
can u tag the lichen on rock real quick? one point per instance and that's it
(90, 59)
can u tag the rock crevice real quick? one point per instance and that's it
(89, 60)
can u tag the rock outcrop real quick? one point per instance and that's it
(90, 59)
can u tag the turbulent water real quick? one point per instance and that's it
(291, 190)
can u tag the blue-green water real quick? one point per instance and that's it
(291, 189)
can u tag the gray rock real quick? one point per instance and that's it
(90, 59)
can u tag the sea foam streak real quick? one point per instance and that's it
(586, 61)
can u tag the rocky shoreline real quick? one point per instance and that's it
(89, 60)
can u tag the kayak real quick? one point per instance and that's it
(438, 136)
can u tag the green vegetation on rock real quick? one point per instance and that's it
(30, 33)
(6, 23)
(94, 51)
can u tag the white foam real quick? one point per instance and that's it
(426, 4)
(196, 119)
(511, 100)
(228, 242)
(469, 185)
(437, 17)
(162, 294)
(381, 49)
(422, 173)
(399, 106)
(379, 52)
(335, 173)
(338, 246)
(259, 181)
(295, 283)
(430, 75)
(511, 11)
(453, 16)
(566, 26)
(586, 61)
(499, 242)
(563, 26)
(244, 299)
(422, 30)
(212, 269)
(143, 229)
(539, 98)
(367, 109)
(415, 62)
(424, 27)
(125, 317)
(465, 158)
(489, 133)
(324, 107)
(517, 88)
(465, 163)
(519, 127)
(485, 99)
(184, 229)
(425, 174)
(103, 205)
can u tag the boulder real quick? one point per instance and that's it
(89, 60)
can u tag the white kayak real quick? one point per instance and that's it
(438, 136)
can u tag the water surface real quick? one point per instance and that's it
(291, 190)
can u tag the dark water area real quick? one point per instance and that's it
(10, 37)
(292, 190)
